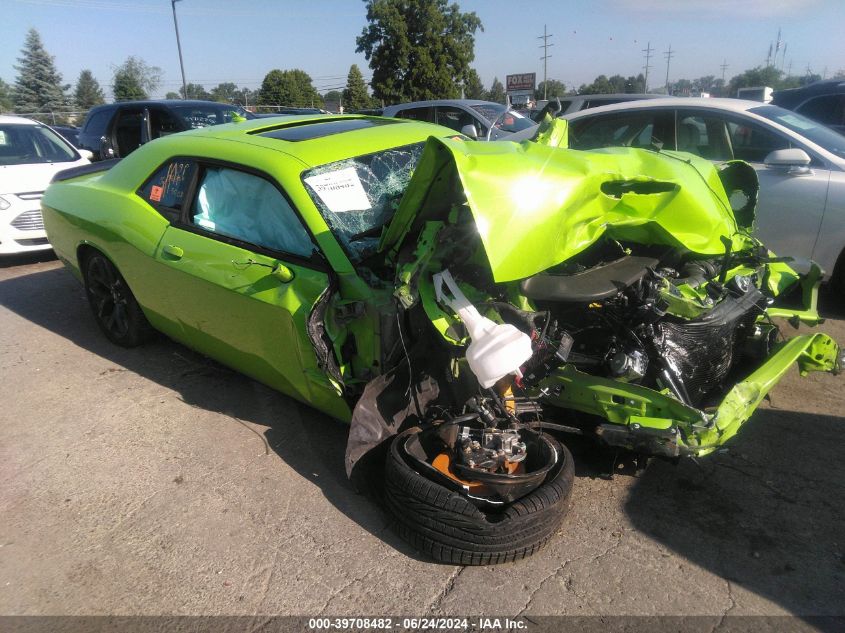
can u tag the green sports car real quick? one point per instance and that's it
(464, 305)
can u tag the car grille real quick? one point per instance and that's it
(36, 241)
(31, 195)
(29, 221)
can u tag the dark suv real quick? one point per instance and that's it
(116, 129)
(822, 101)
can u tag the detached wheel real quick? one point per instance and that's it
(113, 304)
(447, 526)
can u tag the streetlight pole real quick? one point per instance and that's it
(179, 46)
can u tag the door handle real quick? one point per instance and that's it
(173, 252)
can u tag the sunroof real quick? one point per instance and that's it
(311, 129)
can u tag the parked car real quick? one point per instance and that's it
(558, 106)
(464, 305)
(116, 129)
(483, 120)
(30, 154)
(800, 163)
(822, 101)
(286, 111)
(69, 133)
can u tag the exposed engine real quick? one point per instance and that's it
(635, 319)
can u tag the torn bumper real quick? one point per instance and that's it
(654, 422)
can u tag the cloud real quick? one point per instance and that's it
(719, 8)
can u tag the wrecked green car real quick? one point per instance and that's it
(464, 305)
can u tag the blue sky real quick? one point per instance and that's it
(228, 40)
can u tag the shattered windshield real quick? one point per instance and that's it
(358, 196)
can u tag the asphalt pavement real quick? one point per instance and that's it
(154, 481)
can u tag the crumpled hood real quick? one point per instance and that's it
(536, 205)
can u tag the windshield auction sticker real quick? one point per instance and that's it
(340, 190)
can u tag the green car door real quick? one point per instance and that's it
(242, 274)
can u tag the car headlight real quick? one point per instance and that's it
(4, 204)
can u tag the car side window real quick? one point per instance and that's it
(97, 124)
(704, 135)
(827, 109)
(640, 129)
(417, 114)
(163, 123)
(250, 209)
(753, 143)
(127, 132)
(455, 118)
(167, 189)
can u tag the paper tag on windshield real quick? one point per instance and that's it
(340, 190)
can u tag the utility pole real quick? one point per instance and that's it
(647, 50)
(724, 67)
(668, 55)
(783, 58)
(545, 46)
(179, 46)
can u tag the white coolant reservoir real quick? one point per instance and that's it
(495, 349)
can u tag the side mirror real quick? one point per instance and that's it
(106, 149)
(282, 273)
(85, 153)
(796, 159)
(469, 130)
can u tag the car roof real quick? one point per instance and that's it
(8, 119)
(167, 102)
(435, 102)
(734, 105)
(324, 144)
(792, 96)
(611, 95)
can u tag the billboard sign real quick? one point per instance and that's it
(520, 83)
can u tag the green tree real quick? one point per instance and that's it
(555, 89)
(682, 88)
(497, 92)
(225, 92)
(172, 95)
(333, 100)
(759, 76)
(417, 49)
(6, 102)
(245, 97)
(473, 86)
(355, 95)
(289, 88)
(88, 92)
(600, 85)
(195, 91)
(38, 87)
(134, 79)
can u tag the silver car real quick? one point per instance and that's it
(800, 163)
(483, 120)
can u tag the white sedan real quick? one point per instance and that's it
(30, 155)
(800, 163)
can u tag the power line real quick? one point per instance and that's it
(545, 46)
(647, 50)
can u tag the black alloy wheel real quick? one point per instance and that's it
(115, 308)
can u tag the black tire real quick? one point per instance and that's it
(113, 304)
(449, 528)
